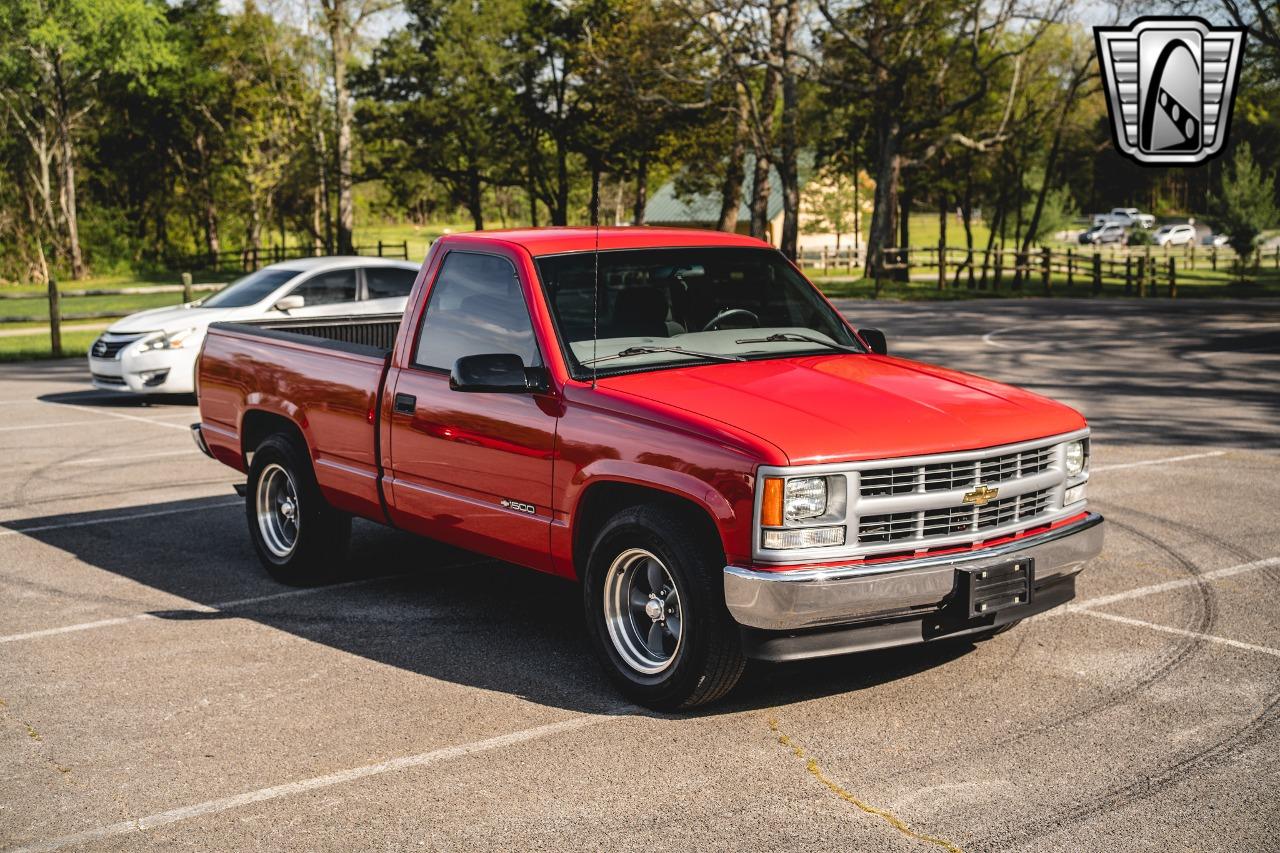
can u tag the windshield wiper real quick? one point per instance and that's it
(630, 351)
(781, 337)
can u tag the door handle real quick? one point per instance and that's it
(406, 404)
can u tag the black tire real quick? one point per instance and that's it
(707, 661)
(320, 533)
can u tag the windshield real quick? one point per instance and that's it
(249, 290)
(667, 307)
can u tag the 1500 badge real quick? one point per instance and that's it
(519, 507)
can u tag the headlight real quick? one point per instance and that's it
(168, 340)
(804, 497)
(1077, 457)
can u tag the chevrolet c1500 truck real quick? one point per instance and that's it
(679, 420)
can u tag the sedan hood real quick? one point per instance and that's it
(841, 408)
(172, 319)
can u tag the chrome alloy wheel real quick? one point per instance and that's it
(277, 510)
(642, 611)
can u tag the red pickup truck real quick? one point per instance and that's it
(679, 420)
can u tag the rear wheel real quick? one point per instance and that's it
(654, 598)
(300, 539)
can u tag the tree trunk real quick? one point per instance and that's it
(731, 186)
(560, 210)
(764, 122)
(475, 202)
(642, 191)
(322, 176)
(340, 45)
(67, 148)
(69, 206)
(885, 206)
(593, 210)
(788, 170)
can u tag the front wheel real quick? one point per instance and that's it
(300, 539)
(654, 598)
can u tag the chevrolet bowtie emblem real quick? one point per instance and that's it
(980, 496)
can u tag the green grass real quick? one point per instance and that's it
(419, 237)
(36, 309)
(30, 347)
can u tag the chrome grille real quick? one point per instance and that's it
(925, 525)
(945, 476)
(109, 345)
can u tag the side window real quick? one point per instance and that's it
(475, 307)
(387, 282)
(328, 288)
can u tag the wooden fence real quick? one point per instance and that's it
(250, 259)
(1140, 270)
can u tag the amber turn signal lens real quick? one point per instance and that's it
(771, 506)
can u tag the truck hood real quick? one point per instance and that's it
(841, 408)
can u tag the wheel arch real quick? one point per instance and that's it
(257, 424)
(604, 499)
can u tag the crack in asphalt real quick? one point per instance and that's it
(811, 764)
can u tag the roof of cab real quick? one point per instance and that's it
(561, 239)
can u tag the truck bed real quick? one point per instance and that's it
(323, 374)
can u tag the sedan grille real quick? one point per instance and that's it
(109, 345)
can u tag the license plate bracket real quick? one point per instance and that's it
(990, 589)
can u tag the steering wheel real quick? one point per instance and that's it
(730, 312)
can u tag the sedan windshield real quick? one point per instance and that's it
(250, 290)
(667, 307)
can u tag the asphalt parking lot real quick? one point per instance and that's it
(157, 690)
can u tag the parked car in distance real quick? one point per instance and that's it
(1174, 235)
(1216, 240)
(1129, 217)
(679, 420)
(1106, 233)
(154, 352)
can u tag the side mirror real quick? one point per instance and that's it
(875, 339)
(290, 303)
(496, 373)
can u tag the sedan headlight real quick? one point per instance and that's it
(169, 340)
(1077, 458)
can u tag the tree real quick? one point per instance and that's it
(54, 57)
(1246, 205)
(919, 68)
(344, 20)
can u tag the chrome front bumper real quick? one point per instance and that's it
(814, 598)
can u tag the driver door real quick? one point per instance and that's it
(473, 469)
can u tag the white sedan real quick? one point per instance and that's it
(154, 352)
(1174, 235)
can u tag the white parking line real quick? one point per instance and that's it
(52, 426)
(95, 460)
(156, 420)
(15, 531)
(1165, 461)
(422, 759)
(216, 607)
(1194, 580)
(1182, 632)
(989, 337)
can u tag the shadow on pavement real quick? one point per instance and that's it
(424, 607)
(116, 399)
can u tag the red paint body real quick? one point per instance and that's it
(697, 432)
